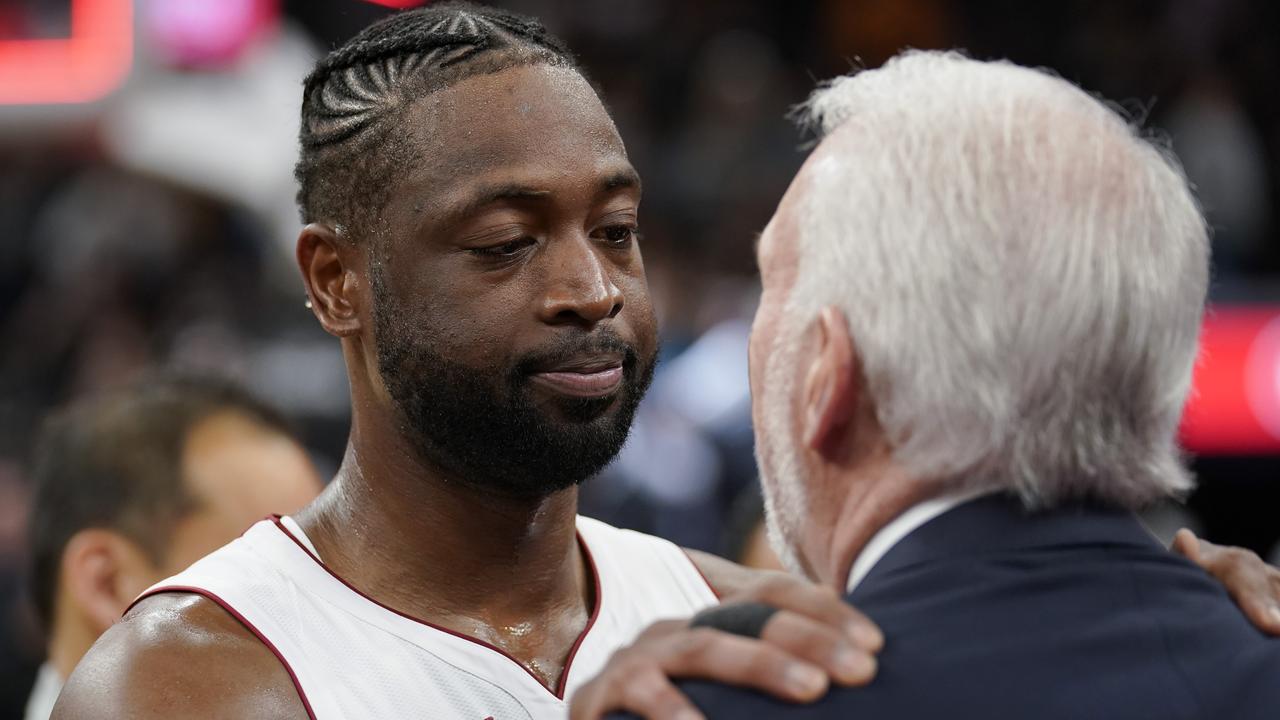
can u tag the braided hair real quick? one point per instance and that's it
(352, 101)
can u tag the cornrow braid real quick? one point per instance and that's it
(350, 139)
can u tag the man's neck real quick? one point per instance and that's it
(399, 526)
(902, 525)
(870, 504)
(431, 547)
(883, 505)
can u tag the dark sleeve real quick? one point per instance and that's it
(725, 701)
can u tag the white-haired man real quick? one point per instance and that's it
(982, 295)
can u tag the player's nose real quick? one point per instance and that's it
(580, 288)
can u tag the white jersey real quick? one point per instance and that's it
(352, 657)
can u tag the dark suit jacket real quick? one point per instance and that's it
(1077, 613)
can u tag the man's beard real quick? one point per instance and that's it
(781, 478)
(483, 426)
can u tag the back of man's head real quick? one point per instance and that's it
(1022, 272)
(117, 475)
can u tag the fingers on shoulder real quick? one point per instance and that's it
(845, 661)
(704, 653)
(1252, 582)
(824, 605)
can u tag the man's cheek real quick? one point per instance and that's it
(757, 351)
(638, 312)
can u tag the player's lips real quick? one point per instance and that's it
(583, 377)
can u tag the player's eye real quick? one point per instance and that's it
(505, 250)
(620, 235)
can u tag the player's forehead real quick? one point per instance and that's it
(524, 124)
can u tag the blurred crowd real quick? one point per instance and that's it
(153, 228)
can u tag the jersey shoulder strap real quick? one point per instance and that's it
(654, 571)
(246, 580)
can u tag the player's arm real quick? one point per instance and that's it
(179, 656)
(813, 638)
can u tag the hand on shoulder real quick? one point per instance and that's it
(807, 639)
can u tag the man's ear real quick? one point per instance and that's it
(830, 387)
(333, 287)
(102, 573)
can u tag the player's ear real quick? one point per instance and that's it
(830, 387)
(330, 267)
(102, 572)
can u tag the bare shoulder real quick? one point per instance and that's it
(179, 655)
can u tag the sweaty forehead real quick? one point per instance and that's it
(527, 122)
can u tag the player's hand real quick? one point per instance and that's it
(1254, 584)
(814, 639)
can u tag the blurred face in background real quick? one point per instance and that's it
(513, 327)
(237, 472)
(234, 472)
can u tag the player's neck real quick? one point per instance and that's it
(414, 540)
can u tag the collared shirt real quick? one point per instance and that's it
(44, 694)
(902, 526)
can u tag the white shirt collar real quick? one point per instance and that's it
(902, 526)
(44, 694)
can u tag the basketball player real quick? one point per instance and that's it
(472, 241)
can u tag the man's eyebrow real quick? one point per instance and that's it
(621, 179)
(490, 194)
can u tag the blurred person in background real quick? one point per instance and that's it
(982, 298)
(135, 484)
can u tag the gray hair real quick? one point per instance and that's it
(1023, 273)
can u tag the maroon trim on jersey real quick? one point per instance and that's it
(698, 570)
(591, 621)
(573, 651)
(226, 606)
(272, 517)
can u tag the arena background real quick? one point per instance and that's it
(146, 215)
